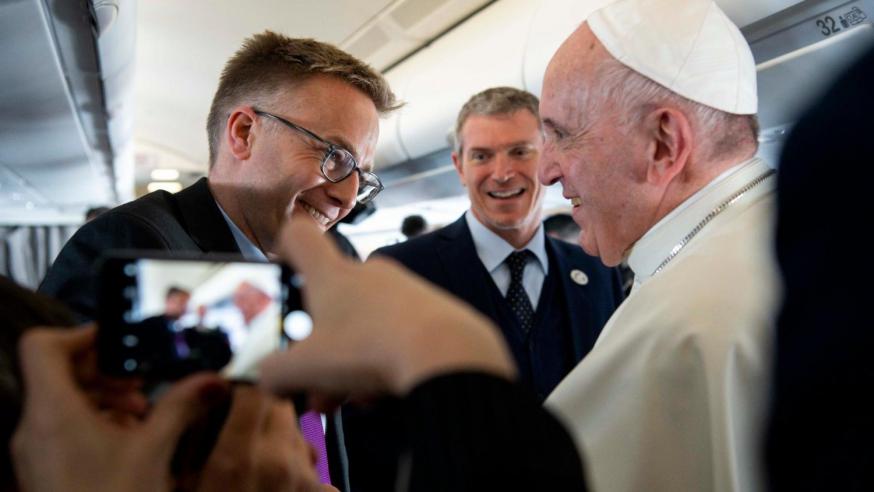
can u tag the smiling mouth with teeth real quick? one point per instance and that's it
(315, 214)
(506, 194)
(576, 202)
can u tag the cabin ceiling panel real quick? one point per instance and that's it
(54, 184)
(183, 45)
(50, 123)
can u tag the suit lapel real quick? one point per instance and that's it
(576, 300)
(463, 267)
(202, 219)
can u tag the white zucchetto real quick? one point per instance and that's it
(689, 46)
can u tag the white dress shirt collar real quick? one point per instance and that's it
(493, 249)
(657, 244)
(247, 247)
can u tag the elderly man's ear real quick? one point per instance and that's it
(669, 136)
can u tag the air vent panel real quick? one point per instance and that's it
(411, 12)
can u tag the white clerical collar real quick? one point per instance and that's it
(247, 247)
(493, 250)
(651, 250)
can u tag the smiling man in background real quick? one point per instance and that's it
(549, 298)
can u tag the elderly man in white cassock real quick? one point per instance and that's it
(649, 109)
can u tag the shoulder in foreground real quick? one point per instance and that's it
(145, 205)
(725, 286)
(130, 224)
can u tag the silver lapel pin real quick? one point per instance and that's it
(579, 277)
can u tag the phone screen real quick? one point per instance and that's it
(165, 318)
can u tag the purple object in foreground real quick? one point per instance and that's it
(311, 428)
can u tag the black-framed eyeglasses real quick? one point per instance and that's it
(337, 163)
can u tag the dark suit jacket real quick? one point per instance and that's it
(188, 221)
(447, 256)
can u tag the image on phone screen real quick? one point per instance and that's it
(181, 316)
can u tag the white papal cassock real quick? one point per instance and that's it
(673, 395)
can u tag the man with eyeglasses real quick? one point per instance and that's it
(292, 131)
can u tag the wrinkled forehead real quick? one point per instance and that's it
(571, 73)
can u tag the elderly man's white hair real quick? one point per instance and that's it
(683, 53)
(632, 95)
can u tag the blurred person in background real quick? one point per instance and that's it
(95, 212)
(261, 319)
(413, 226)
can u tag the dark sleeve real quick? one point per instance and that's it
(477, 432)
(72, 278)
(373, 443)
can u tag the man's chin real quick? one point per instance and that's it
(505, 225)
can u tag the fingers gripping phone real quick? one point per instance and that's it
(162, 318)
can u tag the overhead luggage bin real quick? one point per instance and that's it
(65, 113)
(798, 52)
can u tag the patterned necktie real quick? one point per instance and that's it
(516, 295)
(311, 428)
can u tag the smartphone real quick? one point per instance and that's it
(161, 318)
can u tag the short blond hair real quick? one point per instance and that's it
(269, 62)
(495, 101)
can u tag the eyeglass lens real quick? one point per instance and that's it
(368, 187)
(339, 164)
